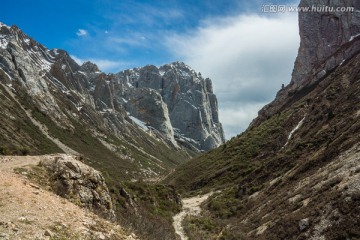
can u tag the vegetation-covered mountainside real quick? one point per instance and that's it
(295, 172)
(301, 163)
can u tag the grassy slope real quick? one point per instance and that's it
(18, 134)
(250, 162)
(82, 140)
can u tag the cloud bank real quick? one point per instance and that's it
(248, 57)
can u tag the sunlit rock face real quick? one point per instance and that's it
(175, 100)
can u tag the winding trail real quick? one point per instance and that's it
(191, 206)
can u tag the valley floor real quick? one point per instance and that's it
(191, 206)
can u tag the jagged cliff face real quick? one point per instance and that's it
(323, 35)
(175, 100)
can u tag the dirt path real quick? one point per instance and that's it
(8, 163)
(28, 211)
(191, 206)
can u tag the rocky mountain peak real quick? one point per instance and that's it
(3, 27)
(186, 108)
(89, 67)
(323, 34)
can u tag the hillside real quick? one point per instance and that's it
(132, 125)
(294, 173)
(316, 160)
(29, 211)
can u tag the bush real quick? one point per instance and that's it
(24, 151)
(5, 150)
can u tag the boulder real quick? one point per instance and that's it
(304, 224)
(79, 183)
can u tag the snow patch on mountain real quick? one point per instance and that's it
(294, 130)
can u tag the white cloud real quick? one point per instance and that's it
(248, 58)
(82, 32)
(104, 65)
(234, 119)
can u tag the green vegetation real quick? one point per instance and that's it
(152, 206)
(110, 163)
(233, 161)
(225, 206)
(197, 227)
(14, 150)
(19, 136)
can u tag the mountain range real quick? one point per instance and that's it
(154, 134)
(137, 116)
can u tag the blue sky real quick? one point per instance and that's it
(248, 54)
(129, 33)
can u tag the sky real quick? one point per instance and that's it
(248, 53)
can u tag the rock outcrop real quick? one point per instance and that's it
(79, 183)
(30, 210)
